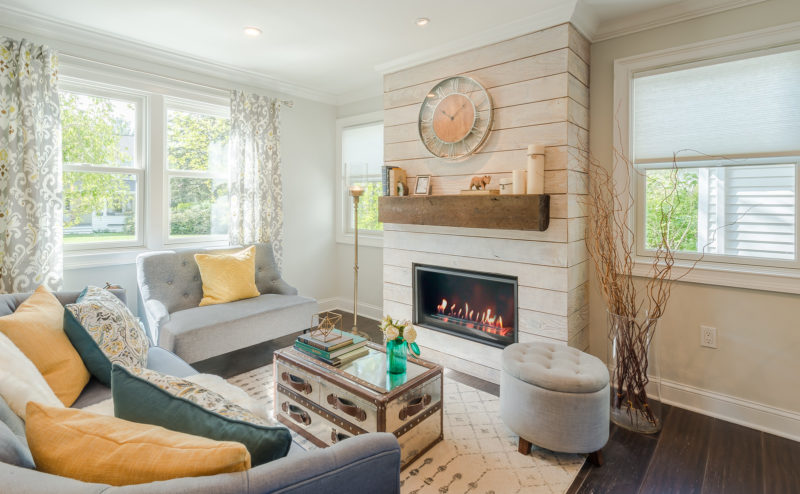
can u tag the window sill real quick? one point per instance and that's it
(783, 280)
(101, 257)
(96, 258)
(364, 239)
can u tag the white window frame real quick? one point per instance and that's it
(191, 106)
(156, 92)
(139, 168)
(343, 200)
(754, 273)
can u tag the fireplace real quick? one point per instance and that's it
(477, 306)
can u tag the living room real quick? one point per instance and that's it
(556, 242)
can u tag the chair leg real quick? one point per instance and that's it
(597, 458)
(524, 446)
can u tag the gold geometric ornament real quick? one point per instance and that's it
(323, 324)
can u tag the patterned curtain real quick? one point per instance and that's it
(256, 190)
(30, 168)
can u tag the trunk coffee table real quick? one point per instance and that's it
(326, 404)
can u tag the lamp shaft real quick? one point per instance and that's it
(355, 267)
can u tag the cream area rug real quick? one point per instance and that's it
(478, 454)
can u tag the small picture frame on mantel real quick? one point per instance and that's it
(423, 186)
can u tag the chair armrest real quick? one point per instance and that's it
(280, 287)
(157, 316)
(361, 464)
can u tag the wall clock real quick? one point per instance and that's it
(455, 118)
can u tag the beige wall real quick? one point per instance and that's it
(758, 332)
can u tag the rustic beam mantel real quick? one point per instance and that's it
(503, 212)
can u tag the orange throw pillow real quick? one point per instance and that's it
(37, 329)
(107, 450)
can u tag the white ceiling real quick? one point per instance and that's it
(328, 46)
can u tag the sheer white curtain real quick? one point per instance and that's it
(31, 205)
(256, 190)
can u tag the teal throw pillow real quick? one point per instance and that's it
(149, 397)
(105, 332)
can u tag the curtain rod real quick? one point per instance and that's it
(287, 103)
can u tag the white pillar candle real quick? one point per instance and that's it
(535, 169)
(519, 181)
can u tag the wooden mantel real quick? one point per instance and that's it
(503, 212)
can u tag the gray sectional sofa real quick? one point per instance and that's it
(171, 290)
(363, 464)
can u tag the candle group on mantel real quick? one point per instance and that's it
(535, 179)
(531, 181)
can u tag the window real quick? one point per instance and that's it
(360, 163)
(732, 125)
(726, 129)
(145, 164)
(103, 169)
(197, 171)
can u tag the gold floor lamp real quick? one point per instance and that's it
(356, 191)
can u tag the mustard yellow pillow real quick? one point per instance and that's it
(37, 328)
(96, 448)
(228, 277)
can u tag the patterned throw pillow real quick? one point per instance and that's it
(147, 396)
(103, 330)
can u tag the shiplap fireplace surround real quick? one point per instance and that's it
(539, 88)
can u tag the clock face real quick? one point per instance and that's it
(455, 118)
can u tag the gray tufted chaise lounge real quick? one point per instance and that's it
(555, 397)
(171, 289)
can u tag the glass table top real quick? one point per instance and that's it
(372, 369)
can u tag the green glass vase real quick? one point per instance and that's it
(396, 356)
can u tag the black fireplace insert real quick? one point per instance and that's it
(477, 306)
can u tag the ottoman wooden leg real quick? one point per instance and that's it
(597, 458)
(524, 446)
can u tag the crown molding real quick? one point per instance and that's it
(105, 47)
(367, 92)
(553, 16)
(586, 21)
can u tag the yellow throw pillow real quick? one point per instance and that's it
(96, 448)
(228, 277)
(37, 328)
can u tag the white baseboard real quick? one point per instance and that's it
(341, 303)
(748, 413)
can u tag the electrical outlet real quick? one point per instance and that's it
(708, 336)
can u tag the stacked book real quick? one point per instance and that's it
(391, 176)
(337, 349)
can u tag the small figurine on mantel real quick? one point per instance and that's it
(479, 183)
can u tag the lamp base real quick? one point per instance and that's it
(356, 332)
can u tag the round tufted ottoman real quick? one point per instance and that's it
(555, 397)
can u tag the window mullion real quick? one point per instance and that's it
(155, 224)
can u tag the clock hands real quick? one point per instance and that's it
(458, 111)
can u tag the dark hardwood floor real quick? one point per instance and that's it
(247, 359)
(693, 453)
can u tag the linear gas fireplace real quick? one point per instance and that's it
(477, 306)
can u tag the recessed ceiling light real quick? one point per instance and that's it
(422, 21)
(252, 31)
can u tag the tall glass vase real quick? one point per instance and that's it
(635, 401)
(396, 356)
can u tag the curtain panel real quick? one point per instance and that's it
(31, 204)
(256, 190)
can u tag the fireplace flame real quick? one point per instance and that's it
(486, 321)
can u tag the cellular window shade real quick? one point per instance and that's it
(362, 150)
(747, 107)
